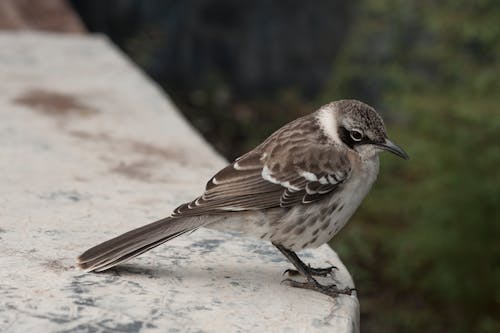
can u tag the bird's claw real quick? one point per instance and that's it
(330, 290)
(291, 272)
(322, 271)
(312, 271)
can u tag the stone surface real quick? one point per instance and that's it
(91, 148)
(50, 15)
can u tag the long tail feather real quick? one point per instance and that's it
(135, 242)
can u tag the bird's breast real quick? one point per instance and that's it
(315, 224)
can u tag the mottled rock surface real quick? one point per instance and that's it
(91, 148)
(49, 15)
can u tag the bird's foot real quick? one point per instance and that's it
(330, 290)
(312, 271)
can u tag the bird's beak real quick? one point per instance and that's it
(393, 148)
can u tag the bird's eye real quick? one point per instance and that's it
(356, 135)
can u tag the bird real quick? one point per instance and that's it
(297, 190)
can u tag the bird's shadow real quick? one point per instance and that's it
(200, 273)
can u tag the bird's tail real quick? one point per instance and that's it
(135, 242)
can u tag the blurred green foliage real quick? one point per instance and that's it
(424, 248)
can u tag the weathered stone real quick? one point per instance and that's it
(49, 15)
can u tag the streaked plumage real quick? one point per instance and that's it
(297, 189)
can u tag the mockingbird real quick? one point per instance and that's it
(297, 189)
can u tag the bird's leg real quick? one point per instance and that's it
(295, 260)
(308, 273)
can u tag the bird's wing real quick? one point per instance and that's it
(280, 176)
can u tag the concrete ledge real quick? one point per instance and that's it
(92, 148)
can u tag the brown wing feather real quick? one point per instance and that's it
(290, 168)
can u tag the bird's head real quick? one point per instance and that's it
(358, 126)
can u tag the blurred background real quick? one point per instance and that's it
(424, 248)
